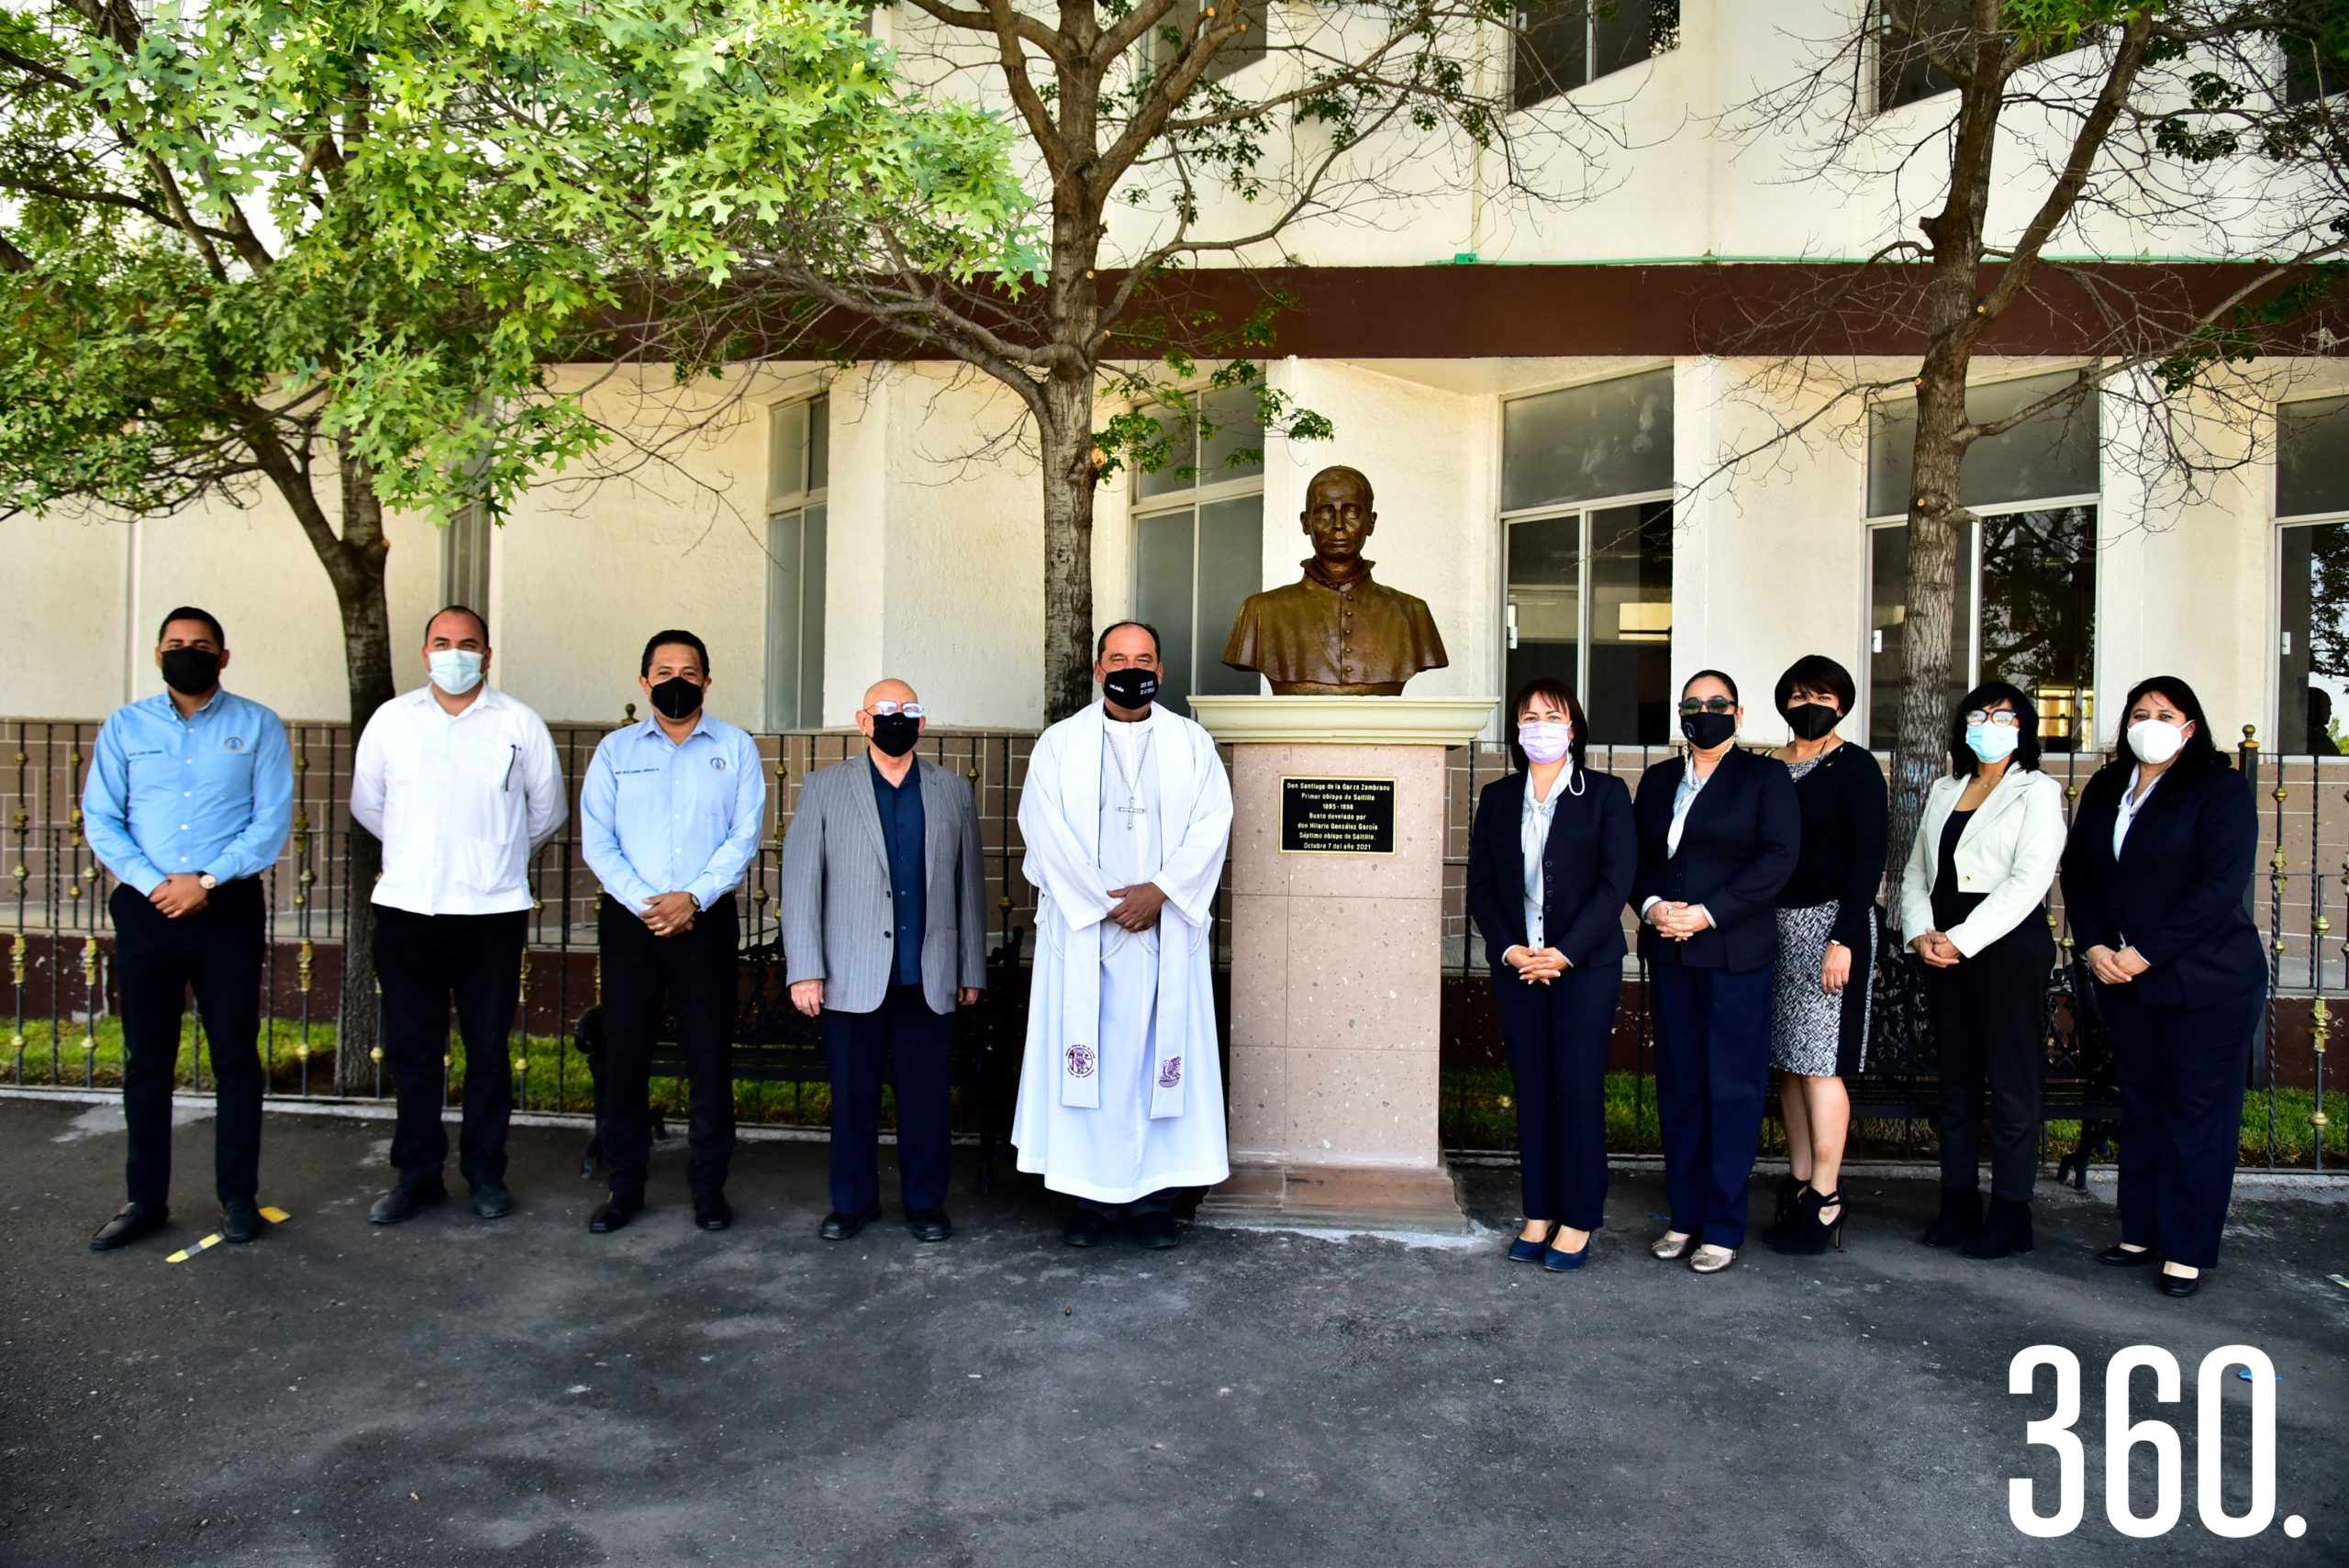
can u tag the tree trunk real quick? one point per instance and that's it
(1064, 437)
(1937, 519)
(367, 659)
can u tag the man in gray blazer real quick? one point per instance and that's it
(884, 931)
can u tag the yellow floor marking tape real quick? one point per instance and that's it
(271, 1213)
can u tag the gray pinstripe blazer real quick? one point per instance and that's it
(835, 897)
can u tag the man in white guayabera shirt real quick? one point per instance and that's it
(1126, 814)
(462, 785)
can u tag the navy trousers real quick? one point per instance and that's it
(2182, 1072)
(1712, 1073)
(913, 1040)
(216, 953)
(1558, 1037)
(424, 962)
(691, 976)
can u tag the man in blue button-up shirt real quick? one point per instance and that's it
(670, 817)
(188, 800)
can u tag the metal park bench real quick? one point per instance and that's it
(777, 1043)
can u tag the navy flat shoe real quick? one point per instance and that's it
(1523, 1251)
(1559, 1262)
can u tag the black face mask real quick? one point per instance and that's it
(677, 698)
(1131, 687)
(895, 733)
(191, 672)
(1812, 720)
(1707, 731)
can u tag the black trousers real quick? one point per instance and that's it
(2182, 1074)
(1990, 1016)
(218, 953)
(914, 1042)
(1558, 1037)
(692, 973)
(425, 962)
(1712, 1074)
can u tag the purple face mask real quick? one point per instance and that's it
(1544, 741)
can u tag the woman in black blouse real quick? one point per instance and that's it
(1826, 947)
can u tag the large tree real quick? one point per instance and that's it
(2089, 128)
(328, 247)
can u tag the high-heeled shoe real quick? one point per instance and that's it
(1789, 1207)
(1806, 1235)
(1559, 1262)
(1524, 1252)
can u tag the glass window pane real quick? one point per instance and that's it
(2038, 616)
(1232, 414)
(820, 443)
(1630, 699)
(2312, 457)
(1232, 567)
(1632, 31)
(2313, 650)
(1904, 71)
(1551, 51)
(1587, 442)
(1542, 619)
(1162, 598)
(2053, 454)
(1180, 471)
(1888, 618)
(786, 450)
(811, 616)
(786, 531)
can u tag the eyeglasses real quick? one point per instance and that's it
(1706, 704)
(2005, 718)
(883, 709)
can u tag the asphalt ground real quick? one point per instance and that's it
(454, 1391)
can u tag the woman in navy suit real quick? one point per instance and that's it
(1550, 861)
(1720, 832)
(2161, 850)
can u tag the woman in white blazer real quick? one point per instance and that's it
(1974, 903)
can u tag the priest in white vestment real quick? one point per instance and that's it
(1127, 814)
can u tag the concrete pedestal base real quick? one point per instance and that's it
(1337, 972)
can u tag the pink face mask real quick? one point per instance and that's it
(1544, 741)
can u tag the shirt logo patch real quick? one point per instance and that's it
(1080, 1061)
(718, 764)
(234, 743)
(1172, 1075)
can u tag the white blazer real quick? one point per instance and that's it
(2009, 852)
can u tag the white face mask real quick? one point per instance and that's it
(1993, 742)
(2156, 740)
(455, 670)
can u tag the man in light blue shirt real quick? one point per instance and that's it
(670, 817)
(189, 797)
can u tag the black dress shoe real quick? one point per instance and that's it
(839, 1227)
(491, 1201)
(2123, 1258)
(612, 1213)
(1959, 1218)
(929, 1224)
(2006, 1231)
(1084, 1229)
(2179, 1285)
(712, 1212)
(241, 1221)
(131, 1221)
(406, 1201)
(1156, 1230)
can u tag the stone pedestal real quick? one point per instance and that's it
(1337, 962)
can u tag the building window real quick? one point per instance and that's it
(1199, 543)
(2312, 620)
(798, 464)
(1908, 34)
(2307, 79)
(1236, 55)
(464, 558)
(2025, 608)
(1560, 45)
(1587, 514)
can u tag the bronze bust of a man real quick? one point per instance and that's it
(1335, 632)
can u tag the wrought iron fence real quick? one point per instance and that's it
(59, 938)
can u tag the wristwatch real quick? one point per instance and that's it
(207, 881)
